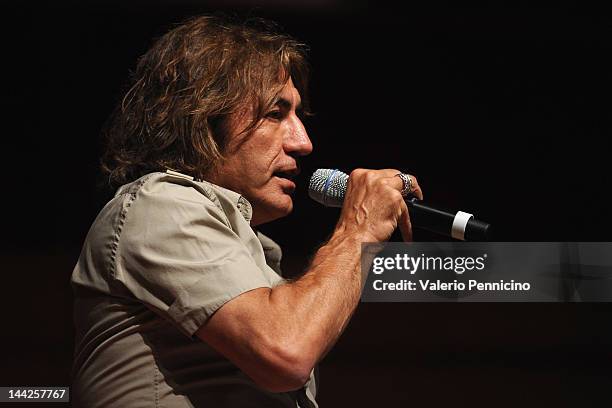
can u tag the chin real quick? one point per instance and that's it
(267, 212)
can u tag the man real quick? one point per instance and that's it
(179, 301)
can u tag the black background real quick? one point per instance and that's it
(501, 111)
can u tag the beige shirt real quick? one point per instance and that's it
(161, 257)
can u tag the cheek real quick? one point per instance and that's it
(268, 151)
(259, 154)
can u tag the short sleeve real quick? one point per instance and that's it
(178, 255)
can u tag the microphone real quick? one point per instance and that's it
(328, 187)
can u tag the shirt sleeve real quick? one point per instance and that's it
(178, 255)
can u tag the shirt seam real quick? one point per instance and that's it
(156, 383)
(119, 227)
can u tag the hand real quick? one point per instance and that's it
(374, 207)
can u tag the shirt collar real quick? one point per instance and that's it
(243, 205)
(239, 201)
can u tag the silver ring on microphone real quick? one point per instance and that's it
(406, 183)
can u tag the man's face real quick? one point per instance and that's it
(261, 165)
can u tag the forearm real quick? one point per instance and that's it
(315, 309)
(277, 335)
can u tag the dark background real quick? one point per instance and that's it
(501, 111)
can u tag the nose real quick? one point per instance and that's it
(296, 140)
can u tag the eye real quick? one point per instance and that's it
(275, 114)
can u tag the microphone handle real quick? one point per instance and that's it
(441, 222)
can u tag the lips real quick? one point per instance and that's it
(289, 174)
(287, 179)
(285, 175)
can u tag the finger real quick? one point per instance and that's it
(396, 182)
(416, 188)
(389, 172)
(405, 225)
(392, 179)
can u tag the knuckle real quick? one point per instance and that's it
(370, 176)
(396, 196)
(357, 173)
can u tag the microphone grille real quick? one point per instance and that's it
(328, 186)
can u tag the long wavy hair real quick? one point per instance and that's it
(185, 86)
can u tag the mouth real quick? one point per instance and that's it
(287, 178)
(284, 175)
(290, 174)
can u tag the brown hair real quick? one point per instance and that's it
(184, 87)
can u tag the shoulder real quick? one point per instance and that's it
(170, 186)
(161, 195)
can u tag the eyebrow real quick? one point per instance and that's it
(286, 104)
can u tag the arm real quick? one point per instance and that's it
(277, 335)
